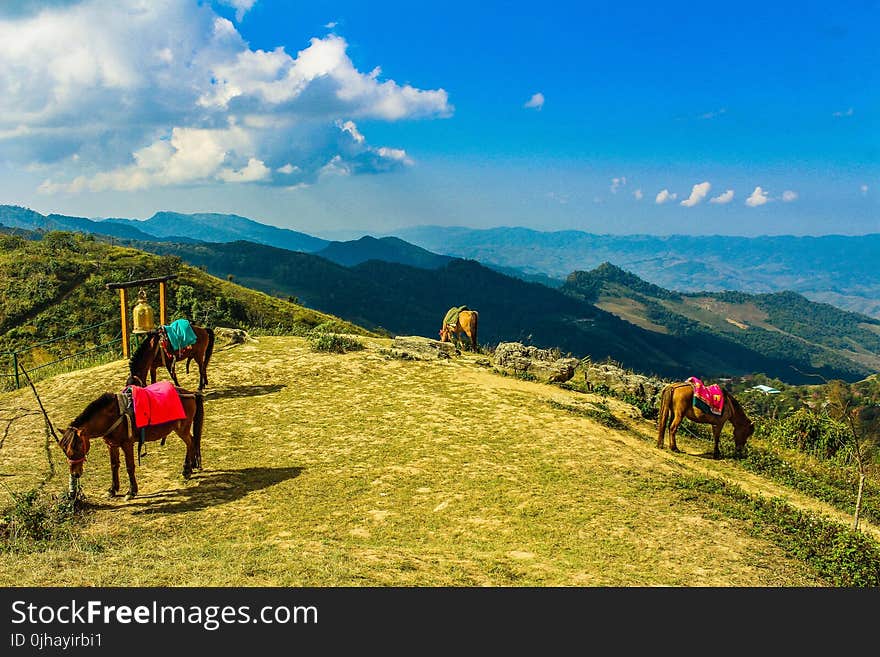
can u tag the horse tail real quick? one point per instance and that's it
(210, 349)
(198, 422)
(663, 417)
(474, 333)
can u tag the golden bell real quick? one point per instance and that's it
(142, 314)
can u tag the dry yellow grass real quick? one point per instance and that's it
(356, 469)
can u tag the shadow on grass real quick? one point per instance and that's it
(212, 489)
(231, 392)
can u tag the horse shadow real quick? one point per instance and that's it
(231, 392)
(213, 489)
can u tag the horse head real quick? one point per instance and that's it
(75, 444)
(742, 433)
(444, 334)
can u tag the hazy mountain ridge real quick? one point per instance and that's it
(835, 267)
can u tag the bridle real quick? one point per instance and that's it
(122, 416)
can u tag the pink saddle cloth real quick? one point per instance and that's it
(712, 395)
(156, 404)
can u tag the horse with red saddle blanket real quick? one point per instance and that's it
(703, 404)
(135, 415)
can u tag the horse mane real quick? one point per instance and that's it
(139, 353)
(94, 407)
(737, 407)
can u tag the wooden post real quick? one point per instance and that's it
(123, 302)
(162, 321)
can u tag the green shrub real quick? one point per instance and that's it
(34, 520)
(333, 342)
(810, 432)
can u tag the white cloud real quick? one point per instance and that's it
(241, 7)
(331, 25)
(664, 196)
(128, 94)
(698, 193)
(288, 169)
(723, 198)
(788, 196)
(535, 102)
(863, 189)
(617, 183)
(758, 197)
(848, 112)
(638, 194)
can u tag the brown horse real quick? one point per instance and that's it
(107, 418)
(150, 355)
(465, 322)
(677, 399)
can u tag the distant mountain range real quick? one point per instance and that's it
(605, 312)
(836, 269)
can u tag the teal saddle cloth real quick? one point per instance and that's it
(180, 334)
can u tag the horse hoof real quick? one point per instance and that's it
(130, 496)
(111, 493)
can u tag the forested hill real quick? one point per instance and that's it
(783, 325)
(55, 283)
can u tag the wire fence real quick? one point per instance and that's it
(14, 361)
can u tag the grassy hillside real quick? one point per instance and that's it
(55, 285)
(785, 326)
(410, 300)
(359, 469)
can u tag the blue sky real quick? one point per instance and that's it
(345, 118)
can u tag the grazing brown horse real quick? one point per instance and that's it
(465, 322)
(106, 418)
(150, 354)
(677, 400)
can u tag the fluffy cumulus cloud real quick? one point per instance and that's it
(664, 196)
(617, 183)
(535, 102)
(698, 193)
(126, 94)
(724, 198)
(788, 196)
(758, 197)
(241, 7)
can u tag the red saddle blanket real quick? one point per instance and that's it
(156, 404)
(712, 396)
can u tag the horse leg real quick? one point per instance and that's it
(203, 374)
(128, 449)
(673, 429)
(716, 432)
(114, 470)
(189, 461)
(152, 374)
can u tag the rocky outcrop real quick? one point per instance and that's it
(419, 348)
(621, 381)
(543, 364)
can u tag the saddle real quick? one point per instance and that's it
(157, 403)
(709, 399)
(176, 340)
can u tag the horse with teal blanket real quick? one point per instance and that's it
(169, 344)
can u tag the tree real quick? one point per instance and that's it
(862, 426)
